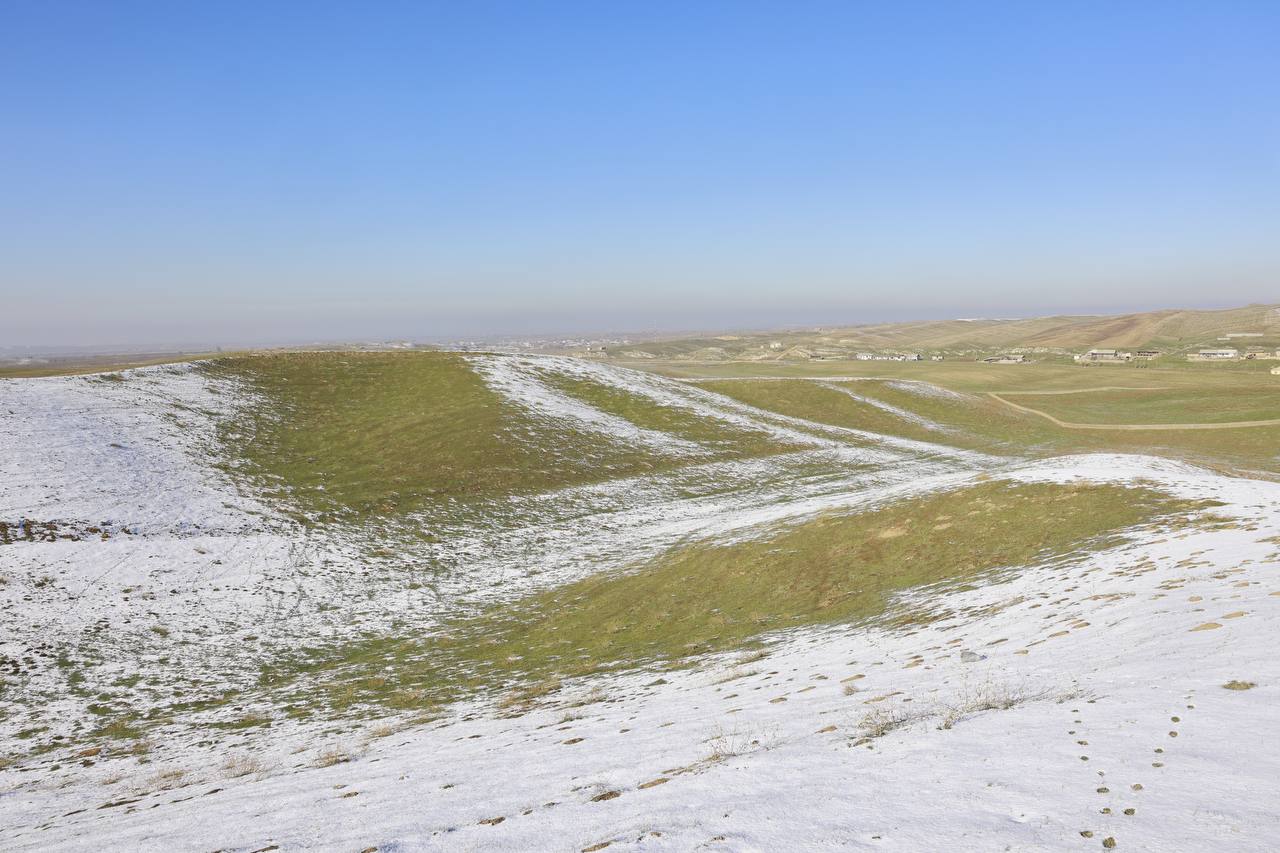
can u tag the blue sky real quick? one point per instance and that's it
(258, 172)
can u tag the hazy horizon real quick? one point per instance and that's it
(232, 174)
(484, 331)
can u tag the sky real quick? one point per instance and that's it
(278, 172)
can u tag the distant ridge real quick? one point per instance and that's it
(1172, 330)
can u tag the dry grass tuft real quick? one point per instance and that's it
(737, 741)
(238, 765)
(331, 756)
(596, 694)
(882, 720)
(167, 779)
(992, 696)
(735, 674)
(524, 698)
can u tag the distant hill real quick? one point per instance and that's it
(1171, 330)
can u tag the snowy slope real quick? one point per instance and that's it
(1014, 722)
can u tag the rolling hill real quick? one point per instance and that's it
(1173, 331)
(443, 600)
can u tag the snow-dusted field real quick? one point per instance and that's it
(1035, 715)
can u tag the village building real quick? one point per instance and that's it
(1104, 356)
(1220, 354)
(875, 356)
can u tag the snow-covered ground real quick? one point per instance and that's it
(1033, 711)
(158, 559)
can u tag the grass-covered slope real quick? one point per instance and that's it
(389, 434)
(967, 421)
(703, 598)
(824, 403)
(711, 597)
(686, 423)
(178, 649)
(1188, 394)
(386, 433)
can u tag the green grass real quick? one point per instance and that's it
(1205, 405)
(979, 422)
(126, 727)
(975, 377)
(1184, 394)
(723, 440)
(704, 598)
(823, 404)
(387, 434)
(988, 424)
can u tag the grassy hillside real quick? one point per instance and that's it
(971, 422)
(386, 434)
(357, 435)
(822, 403)
(715, 597)
(519, 585)
(727, 442)
(1182, 394)
(361, 435)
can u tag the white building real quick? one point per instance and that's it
(1104, 355)
(1221, 354)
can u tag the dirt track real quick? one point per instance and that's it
(1139, 427)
